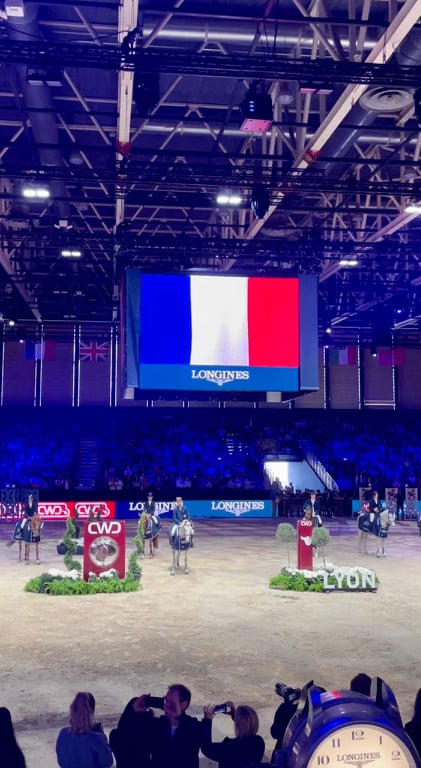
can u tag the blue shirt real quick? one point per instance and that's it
(83, 750)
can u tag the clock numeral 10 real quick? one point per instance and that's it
(323, 759)
(357, 735)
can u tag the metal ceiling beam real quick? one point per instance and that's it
(170, 61)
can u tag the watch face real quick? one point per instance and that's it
(361, 745)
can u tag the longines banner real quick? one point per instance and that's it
(214, 508)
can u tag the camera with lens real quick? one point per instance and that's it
(156, 702)
(288, 694)
(221, 709)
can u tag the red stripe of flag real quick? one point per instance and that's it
(273, 322)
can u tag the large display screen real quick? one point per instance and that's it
(207, 332)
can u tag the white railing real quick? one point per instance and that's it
(324, 476)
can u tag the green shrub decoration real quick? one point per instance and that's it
(71, 545)
(139, 539)
(286, 533)
(319, 540)
(295, 582)
(54, 585)
(133, 566)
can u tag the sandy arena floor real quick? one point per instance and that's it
(220, 630)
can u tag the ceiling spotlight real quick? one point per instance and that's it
(348, 263)
(71, 253)
(229, 198)
(373, 350)
(256, 109)
(412, 207)
(11, 323)
(35, 192)
(285, 97)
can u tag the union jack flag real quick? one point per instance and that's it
(93, 351)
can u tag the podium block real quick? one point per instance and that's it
(104, 547)
(304, 547)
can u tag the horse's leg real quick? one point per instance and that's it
(186, 570)
(172, 572)
(360, 540)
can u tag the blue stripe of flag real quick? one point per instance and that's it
(165, 319)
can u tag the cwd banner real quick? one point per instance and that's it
(61, 510)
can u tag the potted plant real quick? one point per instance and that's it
(286, 534)
(70, 535)
(71, 547)
(139, 539)
(133, 567)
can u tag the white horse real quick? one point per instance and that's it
(374, 524)
(181, 540)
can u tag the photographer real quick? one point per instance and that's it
(173, 739)
(283, 714)
(247, 746)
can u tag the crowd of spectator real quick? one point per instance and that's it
(144, 738)
(136, 449)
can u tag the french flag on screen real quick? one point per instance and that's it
(208, 320)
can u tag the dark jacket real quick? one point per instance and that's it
(232, 753)
(283, 715)
(141, 740)
(131, 740)
(413, 729)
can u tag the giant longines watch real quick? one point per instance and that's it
(343, 728)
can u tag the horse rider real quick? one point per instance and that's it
(180, 513)
(154, 525)
(313, 503)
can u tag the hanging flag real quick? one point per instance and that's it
(343, 356)
(391, 356)
(93, 351)
(40, 350)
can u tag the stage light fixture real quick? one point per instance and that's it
(51, 76)
(259, 200)
(417, 105)
(229, 198)
(35, 192)
(14, 8)
(145, 92)
(256, 109)
(412, 207)
(71, 253)
(348, 263)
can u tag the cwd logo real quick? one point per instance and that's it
(57, 510)
(84, 507)
(101, 527)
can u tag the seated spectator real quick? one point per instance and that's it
(173, 739)
(413, 727)
(245, 748)
(83, 744)
(11, 754)
(361, 683)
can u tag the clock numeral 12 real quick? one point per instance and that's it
(357, 735)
